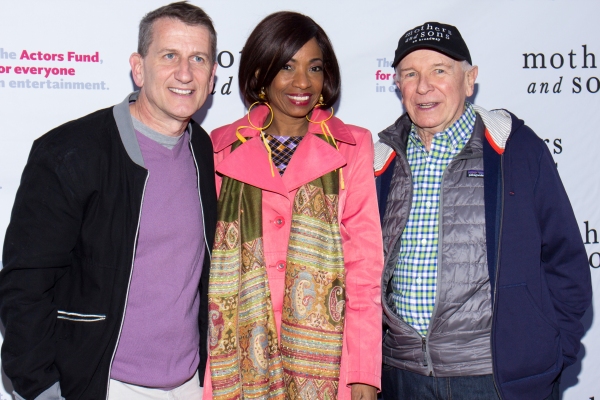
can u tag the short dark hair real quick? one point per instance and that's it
(182, 11)
(273, 43)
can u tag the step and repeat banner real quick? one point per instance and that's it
(63, 59)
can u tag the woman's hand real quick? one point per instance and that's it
(361, 391)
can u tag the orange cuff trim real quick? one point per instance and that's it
(386, 165)
(490, 140)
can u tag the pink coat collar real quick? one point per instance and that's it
(249, 163)
(259, 114)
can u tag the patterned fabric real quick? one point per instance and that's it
(415, 277)
(282, 149)
(246, 359)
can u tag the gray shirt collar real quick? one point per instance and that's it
(167, 141)
(127, 131)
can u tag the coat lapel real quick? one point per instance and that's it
(313, 158)
(250, 163)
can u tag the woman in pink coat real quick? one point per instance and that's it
(294, 290)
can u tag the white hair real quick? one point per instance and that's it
(466, 66)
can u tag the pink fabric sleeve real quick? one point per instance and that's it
(363, 256)
(207, 395)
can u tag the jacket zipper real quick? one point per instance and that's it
(424, 340)
(135, 241)
(424, 348)
(437, 270)
(400, 154)
(497, 271)
(208, 248)
(426, 355)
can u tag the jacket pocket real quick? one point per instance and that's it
(79, 317)
(526, 342)
(82, 344)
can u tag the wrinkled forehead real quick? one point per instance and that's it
(423, 58)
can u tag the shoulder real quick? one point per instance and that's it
(361, 135)
(77, 153)
(91, 123)
(503, 126)
(523, 134)
(224, 136)
(200, 135)
(201, 144)
(525, 145)
(218, 134)
(90, 132)
(349, 134)
(384, 155)
(357, 131)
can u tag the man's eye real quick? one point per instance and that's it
(439, 71)
(198, 59)
(170, 56)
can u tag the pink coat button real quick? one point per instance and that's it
(281, 265)
(279, 221)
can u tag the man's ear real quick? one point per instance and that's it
(397, 83)
(397, 77)
(137, 69)
(470, 78)
(212, 77)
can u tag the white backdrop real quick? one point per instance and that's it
(364, 35)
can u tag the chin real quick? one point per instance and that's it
(299, 113)
(304, 114)
(428, 120)
(186, 111)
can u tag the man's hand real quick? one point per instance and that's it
(363, 392)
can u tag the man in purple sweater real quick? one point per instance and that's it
(106, 259)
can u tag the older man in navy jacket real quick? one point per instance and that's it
(486, 276)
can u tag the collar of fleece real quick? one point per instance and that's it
(498, 124)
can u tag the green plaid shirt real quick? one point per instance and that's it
(415, 277)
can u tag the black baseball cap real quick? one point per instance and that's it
(436, 36)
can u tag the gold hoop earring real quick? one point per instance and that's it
(330, 139)
(320, 103)
(262, 95)
(270, 121)
(262, 133)
(320, 122)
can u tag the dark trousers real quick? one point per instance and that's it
(398, 384)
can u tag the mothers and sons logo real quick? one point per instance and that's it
(427, 32)
(424, 33)
(591, 239)
(585, 60)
